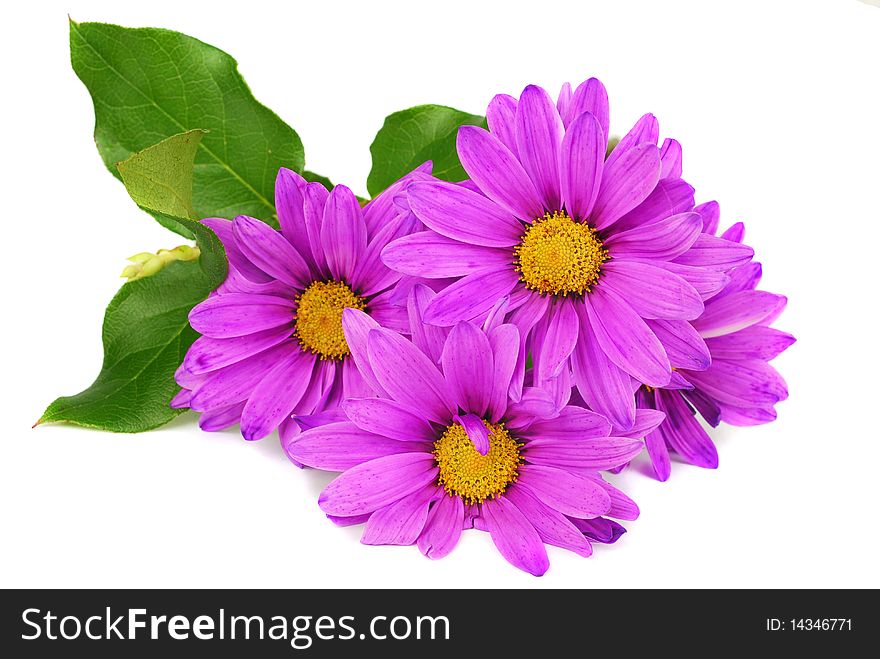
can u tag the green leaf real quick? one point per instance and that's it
(410, 137)
(317, 178)
(148, 84)
(146, 330)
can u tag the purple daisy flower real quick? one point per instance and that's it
(722, 365)
(587, 248)
(444, 448)
(272, 342)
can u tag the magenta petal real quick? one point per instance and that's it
(645, 131)
(534, 403)
(181, 400)
(570, 494)
(652, 292)
(207, 354)
(389, 419)
(538, 138)
(590, 96)
(275, 396)
(563, 103)
(401, 522)
(513, 535)
(582, 161)
(377, 483)
(392, 316)
(710, 212)
(736, 233)
(343, 233)
(558, 342)
(553, 527)
(706, 282)
(756, 342)
(626, 182)
(591, 454)
(357, 325)
(626, 339)
(670, 197)
(353, 383)
(505, 343)
(731, 313)
(659, 455)
(476, 431)
(670, 159)
(604, 386)
(270, 251)
(683, 344)
(221, 418)
(711, 252)
(468, 367)
(371, 275)
(744, 278)
(662, 240)
(622, 507)
(572, 423)
(646, 421)
(442, 528)
(498, 173)
(501, 117)
(470, 296)
(289, 188)
(684, 433)
(427, 338)
(315, 198)
(461, 214)
(238, 314)
(237, 259)
(342, 445)
(408, 375)
(745, 383)
(430, 255)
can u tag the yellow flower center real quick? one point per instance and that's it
(471, 476)
(319, 317)
(560, 256)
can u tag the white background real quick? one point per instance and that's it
(777, 106)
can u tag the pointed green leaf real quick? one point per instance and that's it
(148, 84)
(410, 137)
(146, 329)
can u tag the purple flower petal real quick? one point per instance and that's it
(533, 403)
(744, 278)
(353, 383)
(573, 423)
(221, 418)
(553, 527)
(357, 325)
(626, 339)
(590, 96)
(460, 214)
(683, 432)
(711, 252)
(377, 483)
(706, 282)
(470, 296)
(505, 343)
(181, 400)
(558, 342)
(756, 342)
(430, 255)
(408, 376)
(238, 261)
(427, 338)
(270, 251)
(746, 416)
(563, 102)
(389, 315)
(343, 233)
(235, 383)
(498, 173)
(622, 507)
(289, 188)
(683, 344)
(646, 421)
(735, 312)
(736, 233)
(710, 212)
(389, 419)
(626, 182)
(746, 383)
(207, 354)
(501, 117)
(670, 197)
(592, 454)
(662, 240)
(238, 314)
(659, 455)
(442, 528)
(401, 522)
(570, 494)
(670, 159)
(382, 208)
(652, 292)
(468, 367)
(476, 431)
(315, 198)
(600, 529)
(274, 398)
(538, 139)
(371, 275)
(582, 161)
(645, 131)
(516, 539)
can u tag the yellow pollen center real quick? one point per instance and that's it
(319, 317)
(560, 256)
(471, 476)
